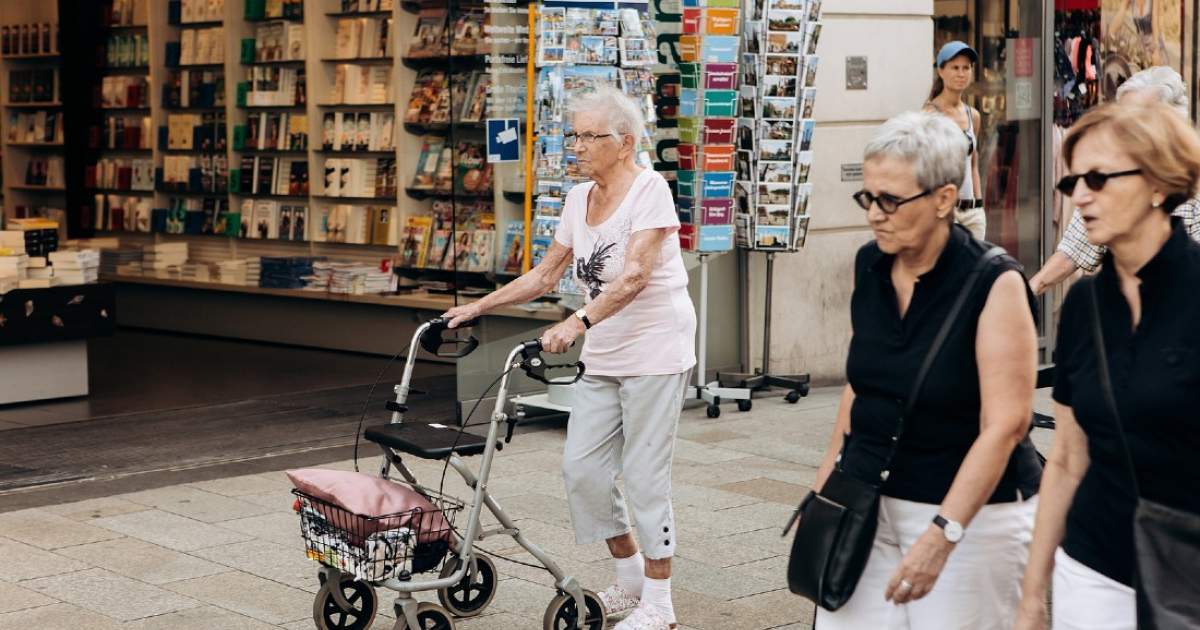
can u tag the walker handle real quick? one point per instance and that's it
(433, 341)
(536, 367)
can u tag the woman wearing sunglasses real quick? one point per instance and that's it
(1130, 167)
(958, 501)
(1158, 84)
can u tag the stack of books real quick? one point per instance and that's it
(76, 267)
(162, 260)
(285, 273)
(240, 271)
(111, 260)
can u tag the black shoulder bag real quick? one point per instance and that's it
(837, 524)
(1166, 540)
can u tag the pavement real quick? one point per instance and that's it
(226, 553)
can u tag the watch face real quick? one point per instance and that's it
(954, 531)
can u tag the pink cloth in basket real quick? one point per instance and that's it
(369, 496)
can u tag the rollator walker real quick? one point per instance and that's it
(466, 579)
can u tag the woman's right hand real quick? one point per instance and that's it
(1031, 614)
(463, 313)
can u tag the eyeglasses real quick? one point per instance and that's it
(1094, 180)
(587, 137)
(886, 202)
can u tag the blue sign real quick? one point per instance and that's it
(502, 139)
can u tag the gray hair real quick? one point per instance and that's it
(934, 145)
(1166, 81)
(623, 114)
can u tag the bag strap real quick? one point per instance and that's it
(1106, 383)
(934, 348)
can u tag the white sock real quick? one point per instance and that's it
(631, 572)
(656, 594)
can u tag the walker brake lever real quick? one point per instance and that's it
(536, 367)
(512, 424)
(432, 339)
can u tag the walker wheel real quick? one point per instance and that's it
(429, 617)
(745, 405)
(561, 613)
(713, 411)
(363, 603)
(476, 590)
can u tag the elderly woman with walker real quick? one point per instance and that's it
(639, 328)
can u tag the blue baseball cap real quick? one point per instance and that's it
(954, 49)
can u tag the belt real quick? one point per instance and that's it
(969, 204)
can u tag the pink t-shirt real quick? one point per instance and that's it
(656, 332)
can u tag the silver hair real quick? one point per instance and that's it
(934, 145)
(623, 114)
(1166, 81)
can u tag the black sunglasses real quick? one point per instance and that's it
(1094, 180)
(887, 203)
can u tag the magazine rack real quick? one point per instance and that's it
(713, 393)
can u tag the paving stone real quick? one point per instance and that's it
(548, 509)
(773, 609)
(95, 508)
(274, 499)
(25, 562)
(110, 594)
(523, 599)
(277, 527)
(197, 504)
(247, 595)
(13, 597)
(692, 495)
(695, 452)
(285, 564)
(203, 618)
(719, 552)
(769, 490)
(246, 484)
(498, 621)
(170, 530)
(142, 561)
(57, 617)
(710, 436)
(49, 531)
(720, 583)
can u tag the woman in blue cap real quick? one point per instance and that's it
(955, 62)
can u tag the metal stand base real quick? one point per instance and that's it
(763, 380)
(714, 393)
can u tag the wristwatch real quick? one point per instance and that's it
(582, 315)
(952, 530)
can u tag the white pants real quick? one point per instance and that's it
(975, 220)
(978, 589)
(1085, 599)
(623, 426)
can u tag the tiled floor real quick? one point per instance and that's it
(226, 554)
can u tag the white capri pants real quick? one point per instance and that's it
(975, 220)
(623, 426)
(978, 589)
(1085, 599)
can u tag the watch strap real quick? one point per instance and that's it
(587, 323)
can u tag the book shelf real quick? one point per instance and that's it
(144, 134)
(31, 127)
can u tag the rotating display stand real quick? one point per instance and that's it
(774, 158)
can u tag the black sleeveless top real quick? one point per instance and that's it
(885, 353)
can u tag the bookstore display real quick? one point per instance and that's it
(706, 119)
(578, 48)
(284, 127)
(775, 130)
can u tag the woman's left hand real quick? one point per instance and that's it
(920, 567)
(558, 339)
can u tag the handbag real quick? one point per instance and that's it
(1166, 540)
(836, 526)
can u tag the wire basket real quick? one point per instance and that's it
(377, 548)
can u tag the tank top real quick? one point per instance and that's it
(967, 190)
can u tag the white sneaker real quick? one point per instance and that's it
(643, 618)
(618, 601)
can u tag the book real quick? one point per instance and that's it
(416, 240)
(438, 246)
(427, 162)
(430, 37)
(513, 252)
(483, 253)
